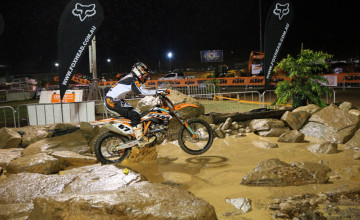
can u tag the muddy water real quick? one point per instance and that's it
(216, 175)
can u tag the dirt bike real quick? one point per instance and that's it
(195, 136)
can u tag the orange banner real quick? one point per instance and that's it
(227, 81)
(55, 98)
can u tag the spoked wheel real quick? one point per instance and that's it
(106, 148)
(198, 142)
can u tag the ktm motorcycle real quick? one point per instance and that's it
(195, 135)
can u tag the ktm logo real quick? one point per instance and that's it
(84, 11)
(281, 10)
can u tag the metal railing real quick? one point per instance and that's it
(5, 114)
(267, 99)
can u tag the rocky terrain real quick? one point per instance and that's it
(50, 172)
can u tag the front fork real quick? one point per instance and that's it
(179, 118)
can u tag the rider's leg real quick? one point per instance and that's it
(134, 116)
(126, 110)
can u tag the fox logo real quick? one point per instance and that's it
(84, 11)
(281, 10)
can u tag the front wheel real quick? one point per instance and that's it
(106, 148)
(198, 140)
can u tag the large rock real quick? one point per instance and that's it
(32, 134)
(140, 201)
(265, 124)
(273, 132)
(311, 109)
(295, 120)
(7, 155)
(75, 142)
(354, 142)
(37, 163)
(70, 158)
(314, 129)
(25, 187)
(274, 172)
(9, 138)
(324, 148)
(340, 125)
(293, 136)
(346, 106)
(15, 211)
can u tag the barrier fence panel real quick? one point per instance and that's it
(7, 112)
(51, 113)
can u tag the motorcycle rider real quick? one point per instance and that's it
(116, 104)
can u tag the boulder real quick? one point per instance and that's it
(265, 124)
(7, 155)
(70, 158)
(15, 211)
(37, 163)
(355, 112)
(354, 142)
(274, 172)
(292, 136)
(147, 103)
(295, 120)
(75, 142)
(9, 138)
(139, 201)
(25, 187)
(273, 132)
(32, 134)
(346, 106)
(340, 125)
(314, 129)
(324, 148)
(311, 109)
(317, 170)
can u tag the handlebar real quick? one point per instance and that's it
(162, 92)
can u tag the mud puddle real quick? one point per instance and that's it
(216, 175)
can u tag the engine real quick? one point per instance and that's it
(159, 130)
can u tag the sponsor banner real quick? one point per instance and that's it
(55, 98)
(349, 78)
(277, 24)
(211, 55)
(332, 80)
(78, 25)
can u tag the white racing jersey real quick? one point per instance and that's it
(126, 85)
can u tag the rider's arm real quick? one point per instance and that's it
(136, 87)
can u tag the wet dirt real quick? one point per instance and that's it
(216, 175)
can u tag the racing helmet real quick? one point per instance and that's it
(140, 71)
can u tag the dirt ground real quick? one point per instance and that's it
(216, 175)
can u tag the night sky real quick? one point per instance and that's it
(147, 29)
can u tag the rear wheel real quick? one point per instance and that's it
(106, 148)
(198, 142)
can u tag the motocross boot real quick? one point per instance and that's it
(142, 140)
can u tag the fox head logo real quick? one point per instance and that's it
(281, 10)
(84, 11)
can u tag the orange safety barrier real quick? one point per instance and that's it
(227, 81)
